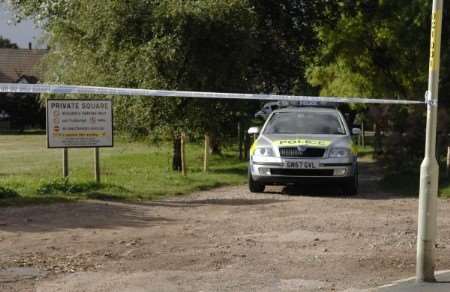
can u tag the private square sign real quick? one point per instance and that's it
(79, 123)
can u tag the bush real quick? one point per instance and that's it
(400, 149)
(63, 185)
(6, 193)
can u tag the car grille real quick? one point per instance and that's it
(302, 172)
(294, 152)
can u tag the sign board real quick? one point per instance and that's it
(79, 123)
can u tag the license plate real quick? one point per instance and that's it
(300, 164)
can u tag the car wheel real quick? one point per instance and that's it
(351, 188)
(254, 186)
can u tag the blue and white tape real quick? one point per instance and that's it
(75, 89)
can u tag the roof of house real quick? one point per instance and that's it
(16, 63)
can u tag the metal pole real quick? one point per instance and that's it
(65, 163)
(429, 170)
(97, 165)
(363, 135)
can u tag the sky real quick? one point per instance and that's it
(21, 33)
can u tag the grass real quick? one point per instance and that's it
(31, 173)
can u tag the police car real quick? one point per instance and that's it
(304, 145)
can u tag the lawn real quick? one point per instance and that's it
(31, 173)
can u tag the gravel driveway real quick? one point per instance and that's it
(221, 240)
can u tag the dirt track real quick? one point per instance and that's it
(221, 240)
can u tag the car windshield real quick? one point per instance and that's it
(315, 123)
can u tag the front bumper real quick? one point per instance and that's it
(334, 171)
(297, 180)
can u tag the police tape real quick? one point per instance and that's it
(76, 89)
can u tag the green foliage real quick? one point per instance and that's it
(7, 44)
(6, 193)
(285, 32)
(184, 45)
(25, 110)
(381, 49)
(403, 139)
(211, 45)
(64, 186)
(377, 48)
(338, 48)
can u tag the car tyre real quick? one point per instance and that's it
(254, 186)
(351, 188)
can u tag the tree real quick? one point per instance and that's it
(211, 45)
(288, 42)
(24, 110)
(381, 49)
(7, 44)
(171, 44)
(377, 48)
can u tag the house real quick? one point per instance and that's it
(20, 111)
(20, 65)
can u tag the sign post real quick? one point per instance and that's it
(97, 165)
(65, 165)
(79, 124)
(429, 170)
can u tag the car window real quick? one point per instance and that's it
(317, 123)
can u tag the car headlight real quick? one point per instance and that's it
(339, 153)
(264, 151)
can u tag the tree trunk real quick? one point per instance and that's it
(378, 145)
(447, 169)
(176, 158)
(214, 144)
(183, 155)
(206, 154)
(241, 141)
(246, 146)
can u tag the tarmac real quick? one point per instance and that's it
(442, 284)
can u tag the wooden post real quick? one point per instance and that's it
(363, 135)
(447, 170)
(65, 164)
(183, 155)
(206, 154)
(97, 165)
(176, 159)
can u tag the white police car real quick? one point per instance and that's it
(304, 145)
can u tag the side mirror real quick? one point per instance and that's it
(253, 130)
(356, 131)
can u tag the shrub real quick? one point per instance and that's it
(6, 193)
(63, 185)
